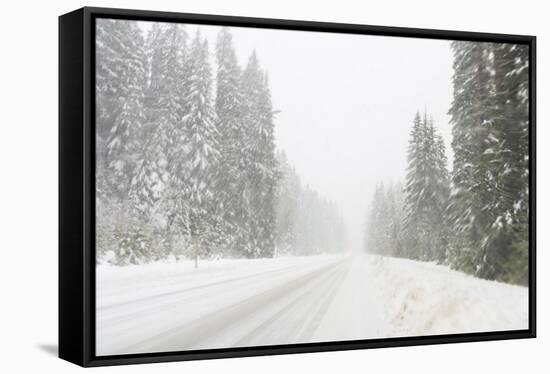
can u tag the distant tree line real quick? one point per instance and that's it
(307, 223)
(475, 218)
(185, 155)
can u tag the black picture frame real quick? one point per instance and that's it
(77, 181)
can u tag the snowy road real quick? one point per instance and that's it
(236, 303)
(282, 304)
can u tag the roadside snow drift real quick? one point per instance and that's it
(389, 297)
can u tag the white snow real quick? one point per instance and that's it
(230, 303)
(390, 297)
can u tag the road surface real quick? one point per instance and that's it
(283, 305)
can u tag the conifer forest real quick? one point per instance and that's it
(473, 216)
(186, 158)
(263, 186)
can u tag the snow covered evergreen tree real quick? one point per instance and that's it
(231, 140)
(426, 193)
(489, 204)
(383, 231)
(410, 221)
(269, 171)
(158, 185)
(202, 151)
(511, 64)
(376, 222)
(167, 132)
(473, 132)
(259, 163)
(395, 205)
(120, 78)
(288, 196)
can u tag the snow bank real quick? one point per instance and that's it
(428, 299)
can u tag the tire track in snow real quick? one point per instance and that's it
(119, 318)
(196, 288)
(194, 333)
(308, 305)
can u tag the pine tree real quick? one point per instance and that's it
(473, 193)
(288, 195)
(511, 64)
(159, 185)
(269, 170)
(384, 222)
(258, 163)
(231, 138)
(376, 221)
(394, 205)
(490, 140)
(166, 99)
(120, 76)
(202, 150)
(120, 79)
(426, 193)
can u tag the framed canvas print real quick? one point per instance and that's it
(236, 186)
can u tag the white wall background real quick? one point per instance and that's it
(28, 184)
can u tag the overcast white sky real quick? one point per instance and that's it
(346, 105)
